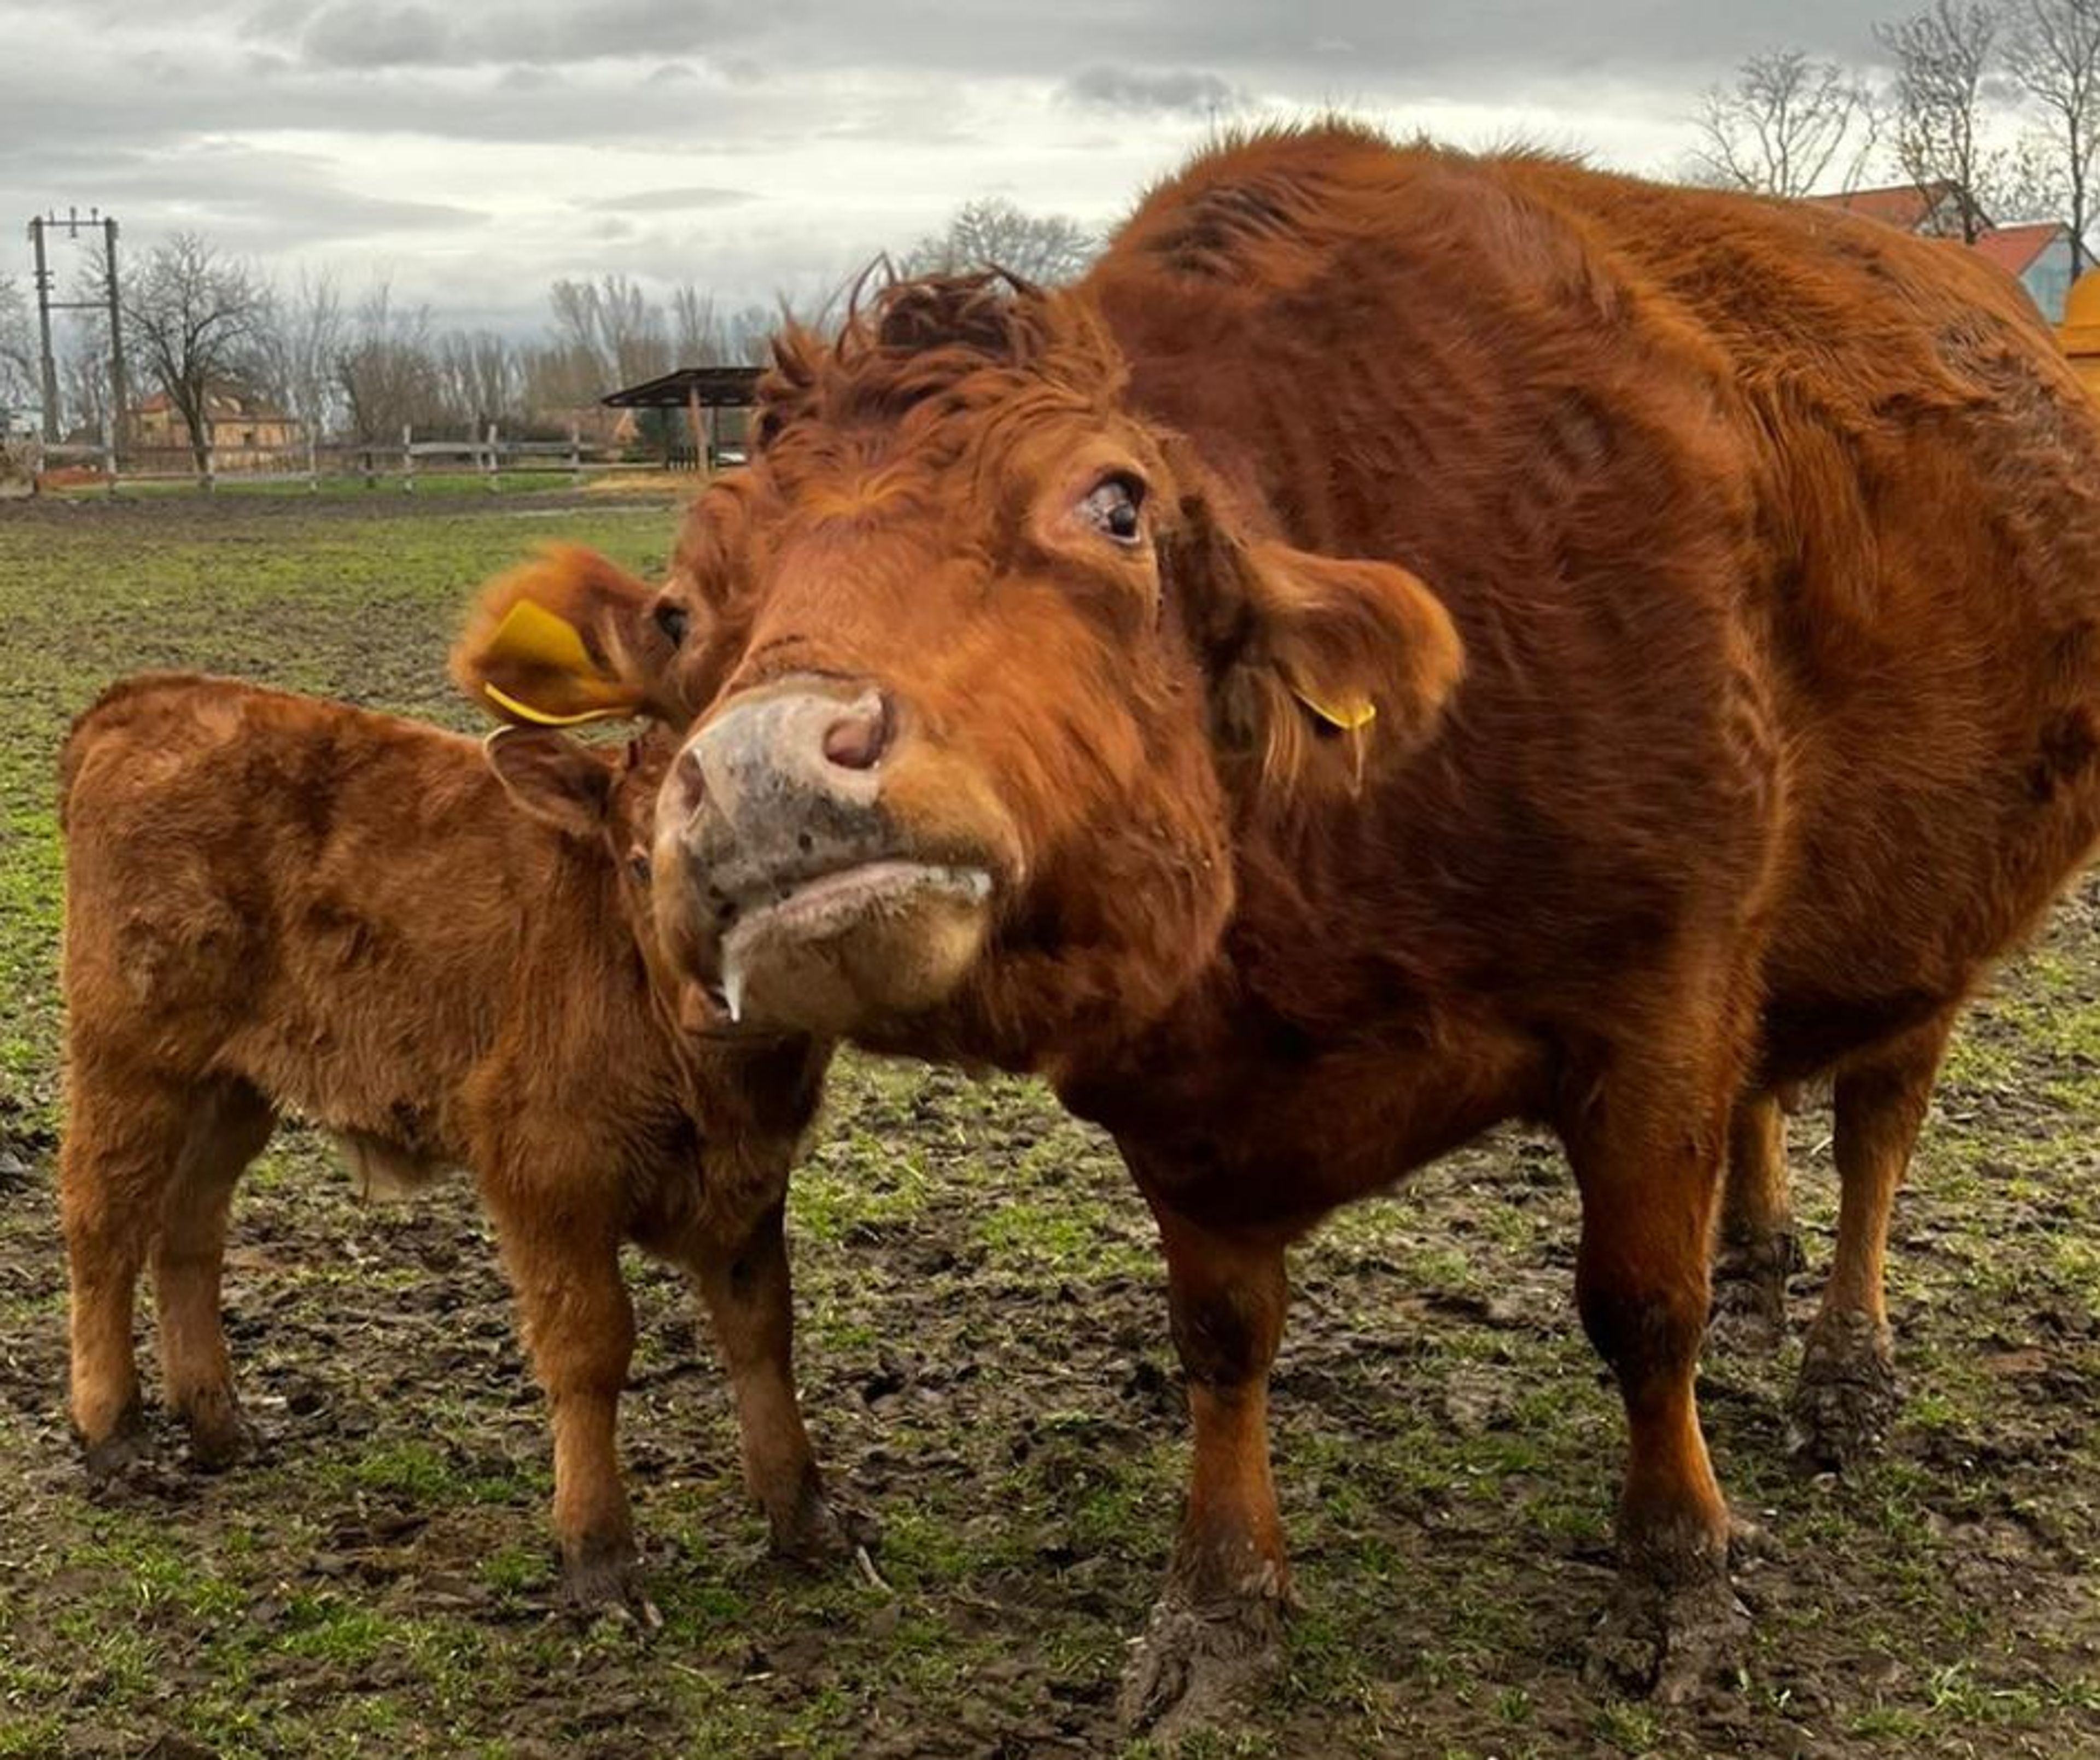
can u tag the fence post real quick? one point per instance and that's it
(488, 458)
(313, 464)
(576, 458)
(408, 459)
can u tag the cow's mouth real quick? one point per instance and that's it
(838, 950)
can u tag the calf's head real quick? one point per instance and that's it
(986, 673)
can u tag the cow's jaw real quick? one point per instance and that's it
(885, 937)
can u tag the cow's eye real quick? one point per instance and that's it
(637, 864)
(1111, 506)
(672, 619)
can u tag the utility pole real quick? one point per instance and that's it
(75, 223)
(50, 393)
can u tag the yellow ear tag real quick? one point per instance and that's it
(1349, 717)
(533, 636)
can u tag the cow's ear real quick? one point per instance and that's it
(567, 638)
(553, 778)
(1319, 666)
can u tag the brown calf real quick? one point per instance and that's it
(276, 904)
(1411, 641)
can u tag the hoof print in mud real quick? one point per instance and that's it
(1200, 1665)
(1670, 1645)
(1847, 1395)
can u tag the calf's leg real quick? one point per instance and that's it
(579, 1327)
(124, 1138)
(1846, 1394)
(1217, 1630)
(226, 1131)
(1648, 1161)
(750, 1304)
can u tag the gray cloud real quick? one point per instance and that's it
(773, 141)
(674, 200)
(1163, 94)
(355, 35)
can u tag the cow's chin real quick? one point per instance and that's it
(857, 951)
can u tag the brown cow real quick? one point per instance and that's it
(276, 904)
(1411, 641)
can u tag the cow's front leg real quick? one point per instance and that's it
(747, 1290)
(1218, 1628)
(1648, 1166)
(579, 1326)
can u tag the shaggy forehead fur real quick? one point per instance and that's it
(930, 370)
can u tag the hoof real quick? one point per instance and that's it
(1846, 1397)
(119, 1455)
(219, 1434)
(1199, 1664)
(1669, 1643)
(1749, 1287)
(819, 1534)
(602, 1576)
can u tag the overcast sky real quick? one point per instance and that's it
(474, 152)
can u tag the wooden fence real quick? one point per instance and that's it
(488, 458)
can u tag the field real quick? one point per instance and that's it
(985, 1367)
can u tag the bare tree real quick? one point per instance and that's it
(195, 319)
(481, 377)
(991, 233)
(388, 376)
(1783, 125)
(18, 353)
(2024, 182)
(748, 334)
(301, 350)
(86, 392)
(2052, 49)
(611, 329)
(1943, 56)
(697, 337)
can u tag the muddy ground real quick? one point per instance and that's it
(985, 1367)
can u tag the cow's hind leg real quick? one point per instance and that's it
(125, 1134)
(1757, 1248)
(579, 1326)
(750, 1304)
(226, 1131)
(1217, 1632)
(1846, 1395)
(1648, 1159)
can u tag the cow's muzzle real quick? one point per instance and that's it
(784, 881)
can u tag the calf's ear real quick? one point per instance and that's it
(553, 779)
(567, 637)
(1319, 666)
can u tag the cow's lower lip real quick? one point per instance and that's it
(834, 906)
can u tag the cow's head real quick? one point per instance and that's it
(603, 798)
(990, 675)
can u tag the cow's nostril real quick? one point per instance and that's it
(855, 741)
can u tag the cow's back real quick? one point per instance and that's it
(326, 902)
(1771, 532)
